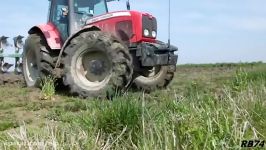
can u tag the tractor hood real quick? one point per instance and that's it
(130, 26)
(117, 14)
(108, 16)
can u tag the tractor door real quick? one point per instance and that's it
(59, 16)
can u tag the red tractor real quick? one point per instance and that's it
(96, 52)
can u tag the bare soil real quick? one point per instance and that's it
(11, 79)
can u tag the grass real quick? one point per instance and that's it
(214, 107)
(48, 88)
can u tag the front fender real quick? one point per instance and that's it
(51, 34)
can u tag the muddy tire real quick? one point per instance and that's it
(153, 78)
(38, 60)
(96, 65)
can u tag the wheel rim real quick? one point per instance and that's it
(93, 69)
(31, 67)
(153, 72)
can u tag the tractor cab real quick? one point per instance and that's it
(69, 16)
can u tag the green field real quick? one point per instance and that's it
(205, 107)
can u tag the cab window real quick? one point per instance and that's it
(59, 16)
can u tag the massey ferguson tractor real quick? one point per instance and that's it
(95, 52)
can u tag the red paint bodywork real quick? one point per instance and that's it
(106, 25)
(109, 25)
(51, 34)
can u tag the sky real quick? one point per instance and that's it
(205, 31)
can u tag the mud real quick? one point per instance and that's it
(11, 79)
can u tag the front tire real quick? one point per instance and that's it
(96, 65)
(149, 79)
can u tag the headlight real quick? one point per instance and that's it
(154, 34)
(146, 32)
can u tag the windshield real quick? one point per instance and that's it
(85, 9)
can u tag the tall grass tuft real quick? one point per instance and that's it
(120, 116)
(48, 88)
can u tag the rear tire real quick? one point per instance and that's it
(38, 60)
(96, 64)
(154, 78)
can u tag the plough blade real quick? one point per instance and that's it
(18, 69)
(18, 45)
(6, 67)
(3, 42)
(18, 42)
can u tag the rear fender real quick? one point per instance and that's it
(51, 34)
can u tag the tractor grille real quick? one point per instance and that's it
(149, 23)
